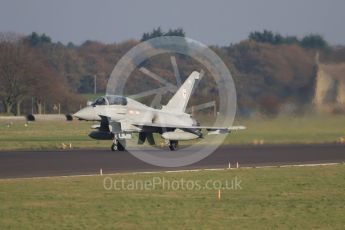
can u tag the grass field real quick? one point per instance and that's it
(299, 130)
(46, 135)
(268, 198)
(51, 134)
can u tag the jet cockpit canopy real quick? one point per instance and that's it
(110, 100)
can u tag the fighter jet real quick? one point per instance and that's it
(121, 116)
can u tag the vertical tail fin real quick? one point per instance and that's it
(179, 101)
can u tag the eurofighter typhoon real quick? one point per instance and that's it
(121, 116)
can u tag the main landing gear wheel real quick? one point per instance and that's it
(117, 146)
(173, 145)
(113, 147)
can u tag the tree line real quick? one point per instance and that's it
(313, 41)
(27, 76)
(270, 70)
(158, 32)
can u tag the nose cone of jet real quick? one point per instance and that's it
(85, 114)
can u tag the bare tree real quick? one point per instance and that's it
(26, 73)
(47, 85)
(15, 71)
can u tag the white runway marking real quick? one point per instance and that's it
(176, 171)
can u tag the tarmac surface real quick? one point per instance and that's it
(26, 164)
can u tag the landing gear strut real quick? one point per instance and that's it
(173, 145)
(118, 145)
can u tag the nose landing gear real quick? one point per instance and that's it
(118, 145)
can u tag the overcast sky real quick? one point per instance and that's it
(212, 22)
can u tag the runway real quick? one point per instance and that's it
(24, 164)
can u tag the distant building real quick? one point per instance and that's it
(330, 86)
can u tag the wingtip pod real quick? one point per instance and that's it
(225, 130)
(240, 127)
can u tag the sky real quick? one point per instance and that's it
(213, 22)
